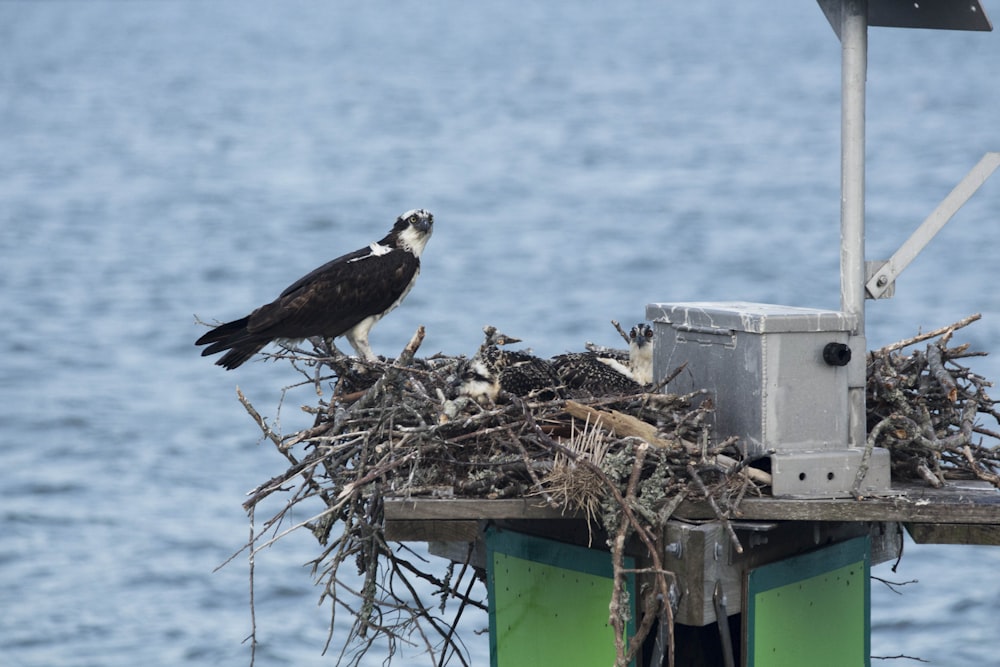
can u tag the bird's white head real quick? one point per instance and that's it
(640, 352)
(478, 380)
(412, 231)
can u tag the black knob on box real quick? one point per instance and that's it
(836, 354)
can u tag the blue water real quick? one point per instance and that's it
(160, 160)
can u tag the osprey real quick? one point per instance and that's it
(605, 372)
(344, 297)
(493, 370)
(590, 373)
(640, 353)
(478, 380)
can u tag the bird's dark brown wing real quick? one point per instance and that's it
(337, 295)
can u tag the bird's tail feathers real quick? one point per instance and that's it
(240, 353)
(232, 336)
(223, 332)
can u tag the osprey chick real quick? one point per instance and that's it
(478, 380)
(594, 374)
(606, 373)
(493, 370)
(640, 353)
(524, 374)
(344, 297)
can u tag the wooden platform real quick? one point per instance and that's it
(962, 513)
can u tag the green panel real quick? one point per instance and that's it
(549, 602)
(812, 609)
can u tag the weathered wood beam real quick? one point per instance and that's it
(971, 503)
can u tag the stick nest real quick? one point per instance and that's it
(624, 462)
(932, 412)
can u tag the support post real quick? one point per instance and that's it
(854, 68)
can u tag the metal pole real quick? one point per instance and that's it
(854, 68)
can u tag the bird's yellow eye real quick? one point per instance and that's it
(413, 219)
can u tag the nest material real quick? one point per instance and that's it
(625, 462)
(928, 410)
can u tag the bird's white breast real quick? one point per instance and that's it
(413, 240)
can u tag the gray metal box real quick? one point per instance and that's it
(764, 366)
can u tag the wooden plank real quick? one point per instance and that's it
(966, 503)
(838, 510)
(473, 553)
(469, 508)
(410, 530)
(950, 533)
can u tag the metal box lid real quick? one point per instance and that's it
(749, 317)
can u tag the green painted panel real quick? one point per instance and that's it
(549, 602)
(813, 609)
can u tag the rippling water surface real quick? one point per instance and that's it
(164, 159)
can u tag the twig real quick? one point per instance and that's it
(659, 386)
(893, 585)
(621, 332)
(251, 558)
(932, 334)
(618, 617)
(899, 656)
(715, 508)
(928, 475)
(261, 422)
(943, 377)
(866, 456)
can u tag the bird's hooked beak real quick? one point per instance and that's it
(424, 223)
(642, 335)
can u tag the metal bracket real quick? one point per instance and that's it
(880, 283)
(871, 270)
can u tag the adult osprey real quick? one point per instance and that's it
(344, 297)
